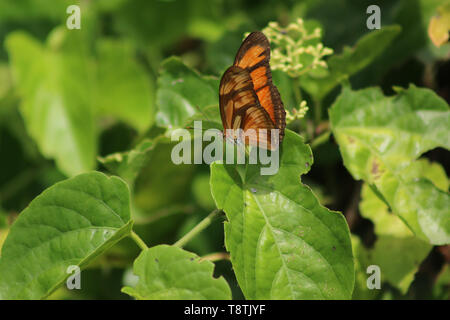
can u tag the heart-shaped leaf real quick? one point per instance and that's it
(283, 243)
(69, 224)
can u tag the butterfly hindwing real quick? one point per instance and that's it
(240, 107)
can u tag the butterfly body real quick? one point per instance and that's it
(248, 99)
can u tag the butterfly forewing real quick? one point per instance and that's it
(248, 98)
(239, 105)
(254, 56)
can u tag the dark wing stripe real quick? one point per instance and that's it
(240, 100)
(262, 63)
(259, 89)
(260, 45)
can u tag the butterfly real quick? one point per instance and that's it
(248, 100)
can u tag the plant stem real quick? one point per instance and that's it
(138, 240)
(165, 212)
(320, 139)
(198, 228)
(217, 256)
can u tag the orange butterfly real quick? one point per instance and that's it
(248, 99)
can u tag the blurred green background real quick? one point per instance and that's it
(102, 82)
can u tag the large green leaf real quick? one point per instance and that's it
(124, 89)
(283, 243)
(3, 229)
(54, 86)
(70, 223)
(380, 137)
(183, 93)
(171, 273)
(395, 242)
(349, 62)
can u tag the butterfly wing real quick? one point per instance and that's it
(254, 56)
(240, 107)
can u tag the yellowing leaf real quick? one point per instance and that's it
(381, 137)
(439, 26)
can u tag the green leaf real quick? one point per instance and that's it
(441, 289)
(161, 183)
(183, 93)
(54, 87)
(4, 228)
(283, 243)
(70, 223)
(3, 235)
(380, 138)
(5, 81)
(362, 261)
(395, 242)
(171, 273)
(124, 89)
(349, 62)
(389, 251)
(201, 192)
(209, 116)
(128, 164)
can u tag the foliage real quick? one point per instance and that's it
(167, 272)
(380, 137)
(87, 180)
(283, 243)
